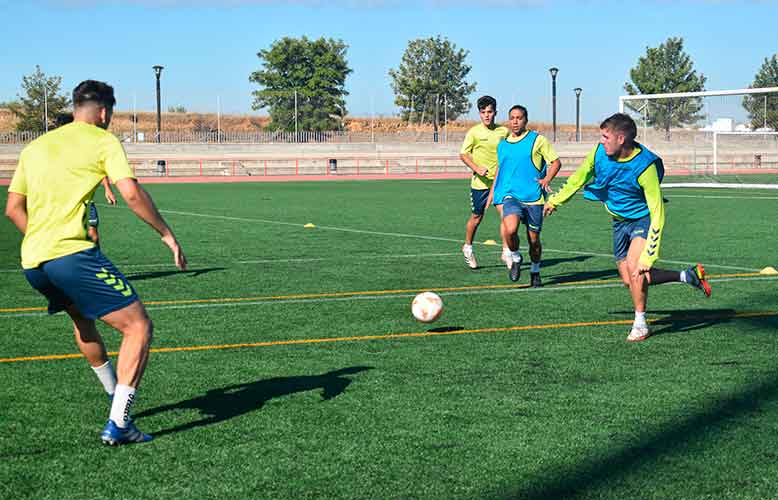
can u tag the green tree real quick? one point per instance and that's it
(763, 109)
(667, 69)
(431, 81)
(176, 109)
(312, 72)
(40, 99)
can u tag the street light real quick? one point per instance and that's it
(553, 72)
(158, 73)
(578, 91)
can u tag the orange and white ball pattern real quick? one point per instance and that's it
(427, 307)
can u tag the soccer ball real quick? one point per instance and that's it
(427, 307)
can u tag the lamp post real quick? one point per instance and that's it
(553, 71)
(578, 91)
(158, 73)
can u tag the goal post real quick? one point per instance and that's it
(705, 93)
(701, 132)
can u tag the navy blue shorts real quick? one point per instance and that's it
(478, 199)
(87, 280)
(626, 230)
(530, 215)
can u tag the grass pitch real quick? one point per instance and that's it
(289, 365)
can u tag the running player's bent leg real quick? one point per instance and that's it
(91, 345)
(638, 286)
(137, 330)
(478, 198)
(535, 247)
(88, 340)
(471, 227)
(510, 228)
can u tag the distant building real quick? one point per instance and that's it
(721, 125)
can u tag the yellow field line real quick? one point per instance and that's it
(226, 300)
(552, 326)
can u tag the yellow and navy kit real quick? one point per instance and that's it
(481, 144)
(628, 187)
(58, 173)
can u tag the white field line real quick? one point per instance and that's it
(365, 257)
(436, 238)
(716, 185)
(352, 258)
(405, 296)
(720, 197)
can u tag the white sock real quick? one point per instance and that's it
(640, 318)
(535, 267)
(506, 251)
(107, 376)
(123, 399)
(516, 256)
(467, 248)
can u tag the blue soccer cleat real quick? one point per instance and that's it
(114, 435)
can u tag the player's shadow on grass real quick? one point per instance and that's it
(687, 321)
(192, 273)
(218, 405)
(582, 276)
(546, 262)
(579, 477)
(680, 321)
(444, 329)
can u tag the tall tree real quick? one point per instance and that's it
(39, 100)
(763, 109)
(667, 69)
(431, 81)
(312, 71)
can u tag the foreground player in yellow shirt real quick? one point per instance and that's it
(48, 201)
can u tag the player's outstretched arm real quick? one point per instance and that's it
(16, 210)
(109, 196)
(141, 203)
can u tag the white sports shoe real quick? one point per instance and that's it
(506, 258)
(638, 334)
(469, 257)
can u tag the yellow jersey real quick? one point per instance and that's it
(59, 173)
(481, 144)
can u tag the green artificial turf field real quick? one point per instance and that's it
(290, 365)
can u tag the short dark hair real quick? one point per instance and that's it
(520, 108)
(485, 101)
(620, 122)
(95, 92)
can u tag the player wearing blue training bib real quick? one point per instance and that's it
(526, 164)
(625, 177)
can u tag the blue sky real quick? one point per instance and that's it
(209, 48)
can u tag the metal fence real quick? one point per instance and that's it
(303, 137)
(262, 137)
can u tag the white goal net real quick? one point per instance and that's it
(711, 132)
